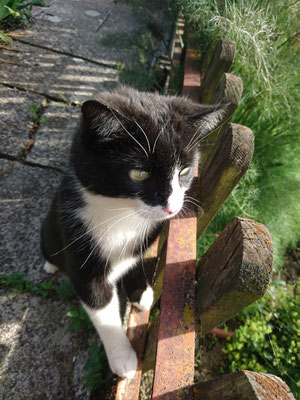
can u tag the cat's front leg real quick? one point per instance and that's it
(107, 321)
(137, 287)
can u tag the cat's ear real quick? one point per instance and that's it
(92, 110)
(100, 120)
(208, 116)
(202, 117)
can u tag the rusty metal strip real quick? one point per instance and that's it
(174, 368)
(179, 293)
(191, 80)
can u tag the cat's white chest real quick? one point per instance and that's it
(117, 228)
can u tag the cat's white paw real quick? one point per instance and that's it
(146, 300)
(123, 362)
(50, 268)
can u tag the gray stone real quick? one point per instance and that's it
(26, 194)
(54, 136)
(92, 13)
(77, 32)
(64, 77)
(16, 119)
(38, 353)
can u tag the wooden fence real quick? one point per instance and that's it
(232, 274)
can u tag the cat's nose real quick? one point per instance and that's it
(169, 211)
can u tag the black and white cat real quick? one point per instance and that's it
(132, 161)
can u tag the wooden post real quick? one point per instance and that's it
(228, 90)
(243, 385)
(233, 273)
(226, 165)
(221, 62)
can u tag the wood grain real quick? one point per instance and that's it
(233, 273)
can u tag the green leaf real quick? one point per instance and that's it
(12, 12)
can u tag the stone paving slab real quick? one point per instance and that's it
(53, 74)
(39, 357)
(63, 60)
(77, 27)
(15, 119)
(54, 136)
(26, 194)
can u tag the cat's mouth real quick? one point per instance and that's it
(158, 213)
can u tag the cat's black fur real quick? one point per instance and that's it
(118, 132)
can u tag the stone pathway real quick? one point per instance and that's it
(57, 64)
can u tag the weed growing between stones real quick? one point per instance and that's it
(18, 282)
(95, 369)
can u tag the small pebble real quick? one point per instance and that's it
(53, 18)
(92, 13)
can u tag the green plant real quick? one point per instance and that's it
(19, 282)
(267, 58)
(36, 113)
(17, 10)
(95, 369)
(268, 337)
(65, 291)
(80, 319)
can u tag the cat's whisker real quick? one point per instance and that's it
(105, 233)
(208, 134)
(117, 209)
(184, 210)
(200, 209)
(161, 131)
(132, 137)
(108, 259)
(84, 234)
(192, 202)
(144, 236)
(194, 135)
(144, 135)
(157, 137)
(191, 142)
(192, 198)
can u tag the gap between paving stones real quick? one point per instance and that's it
(9, 157)
(46, 95)
(65, 53)
(34, 126)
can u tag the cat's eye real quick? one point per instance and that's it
(138, 175)
(184, 171)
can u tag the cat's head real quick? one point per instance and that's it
(143, 147)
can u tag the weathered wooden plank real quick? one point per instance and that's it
(174, 368)
(243, 385)
(225, 166)
(229, 90)
(233, 273)
(221, 62)
(151, 346)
